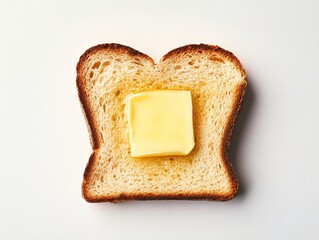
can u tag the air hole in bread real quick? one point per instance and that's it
(178, 67)
(138, 63)
(200, 51)
(101, 102)
(104, 64)
(91, 74)
(113, 117)
(102, 137)
(191, 63)
(117, 93)
(114, 72)
(96, 65)
(219, 166)
(104, 108)
(216, 59)
(171, 159)
(196, 67)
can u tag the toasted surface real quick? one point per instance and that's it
(108, 73)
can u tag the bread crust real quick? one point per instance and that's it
(95, 142)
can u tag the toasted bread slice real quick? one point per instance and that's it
(108, 73)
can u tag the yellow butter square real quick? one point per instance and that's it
(160, 123)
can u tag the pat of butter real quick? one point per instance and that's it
(160, 123)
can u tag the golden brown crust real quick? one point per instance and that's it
(117, 48)
(86, 176)
(227, 135)
(143, 197)
(86, 113)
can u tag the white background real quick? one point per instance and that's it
(45, 144)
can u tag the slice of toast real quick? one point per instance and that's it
(108, 73)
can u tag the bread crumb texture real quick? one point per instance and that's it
(108, 73)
